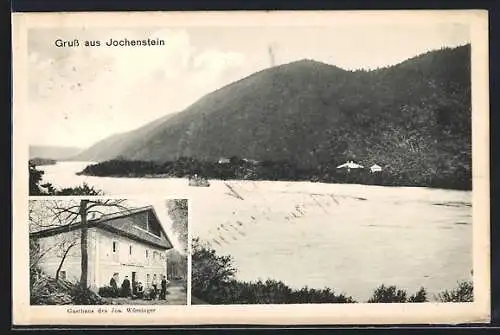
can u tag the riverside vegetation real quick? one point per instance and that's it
(213, 282)
(240, 169)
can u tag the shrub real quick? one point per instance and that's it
(84, 189)
(388, 294)
(464, 292)
(391, 294)
(210, 272)
(81, 295)
(107, 292)
(49, 291)
(419, 296)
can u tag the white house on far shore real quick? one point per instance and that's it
(350, 165)
(375, 168)
(224, 160)
(131, 243)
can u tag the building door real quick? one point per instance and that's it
(134, 277)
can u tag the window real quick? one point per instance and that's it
(115, 246)
(62, 275)
(154, 228)
(130, 250)
(147, 254)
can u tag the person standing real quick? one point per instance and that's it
(126, 290)
(114, 284)
(163, 293)
(140, 290)
(154, 283)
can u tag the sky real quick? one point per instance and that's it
(78, 96)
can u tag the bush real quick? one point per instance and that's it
(464, 292)
(107, 292)
(388, 294)
(49, 291)
(210, 273)
(84, 189)
(84, 296)
(419, 296)
(391, 294)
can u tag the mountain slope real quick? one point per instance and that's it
(118, 144)
(52, 152)
(412, 117)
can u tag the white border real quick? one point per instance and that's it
(479, 311)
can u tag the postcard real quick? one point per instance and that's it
(267, 168)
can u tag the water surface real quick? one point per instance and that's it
(351, 238)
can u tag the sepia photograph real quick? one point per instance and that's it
(336, 160)
(108, 252)
(329, 166)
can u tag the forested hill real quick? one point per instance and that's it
(412, 118)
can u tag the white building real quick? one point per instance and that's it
(375, 168)
(350, 165)
(223, 160)
(131, 243)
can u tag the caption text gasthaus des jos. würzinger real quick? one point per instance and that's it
(110, 310)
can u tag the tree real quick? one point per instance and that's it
(35, 188)
(35, 178)
(178, 212)
(40, 219)
(464, 292)
(387, 294)
(71, 212)
(391, 294)
(210, 273)
(65, 247)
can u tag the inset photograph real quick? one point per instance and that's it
(108, 252)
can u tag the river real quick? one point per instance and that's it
(351, 238)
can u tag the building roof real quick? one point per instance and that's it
(122, 223)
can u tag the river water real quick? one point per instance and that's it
(351, 238)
